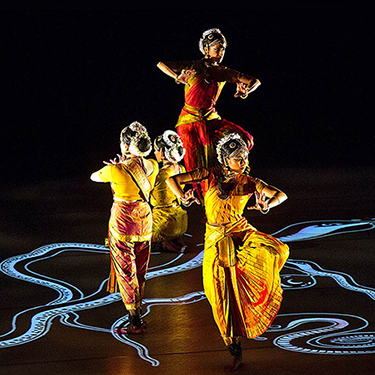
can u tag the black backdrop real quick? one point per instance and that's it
(73, 78)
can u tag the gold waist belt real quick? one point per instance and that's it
(172, 205)
(125, 201)
(218, 224)
(204, 112)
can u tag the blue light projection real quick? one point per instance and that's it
(339, 333)
(325, 339)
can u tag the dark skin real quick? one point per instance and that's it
(214, 56)
(270, 198)
(131, 329)
(236, 363)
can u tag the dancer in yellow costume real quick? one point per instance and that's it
(241, 265)
(170, 220)
(130, 224)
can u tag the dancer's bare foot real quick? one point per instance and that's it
(235, 351)
(131, 330)
(136, 324)
(173, 247)
(237, 362)
(134, 330)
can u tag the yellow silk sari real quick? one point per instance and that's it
(169, 219)
(241, 265)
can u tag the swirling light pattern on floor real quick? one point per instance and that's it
(326, 339)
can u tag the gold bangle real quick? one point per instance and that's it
(265, 211)
(275, 197)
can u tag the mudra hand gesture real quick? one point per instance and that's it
(184, 76)
(188, 199)
(121, 158)
(242, 90)
(261, 203)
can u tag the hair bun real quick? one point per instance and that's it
(172, 146)
(136, 137)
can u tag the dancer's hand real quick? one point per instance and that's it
(188, 199)
(242, 90)
(121, 158)
(184, 76)
(261, 204)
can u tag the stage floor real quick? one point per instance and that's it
(57, 317)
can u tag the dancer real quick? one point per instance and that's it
(169, 219)
(199, 125)
(130, 224)
(241, 265)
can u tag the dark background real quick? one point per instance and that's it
(73, 78)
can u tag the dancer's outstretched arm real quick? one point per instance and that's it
(269, 197)
(175, 183)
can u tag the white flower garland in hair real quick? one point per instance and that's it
(141, 133)
(137, 127)
(173, 135)
(173, 155)
(205, 33)
(226, 139)
(173, 141)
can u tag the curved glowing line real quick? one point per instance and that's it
(370, 222)
(65, 294)
(30, 331)
(123, 321)
(41, 322)
(26, 267)
(168, 263)
(285, 239)
(339, 277)
(7, 266)
(187, 266)
(141, 349)
(182, 300)
(336, 323)
(303, 285)
(64, 320)
(324, 233)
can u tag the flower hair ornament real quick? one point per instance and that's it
(172, 146)
(132, 135)
(175, 150)
(230, 146)
(211, 36)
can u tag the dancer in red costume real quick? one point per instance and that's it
(199, 125)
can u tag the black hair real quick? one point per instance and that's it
(144, 143)
(159, 143)
(127, 135)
